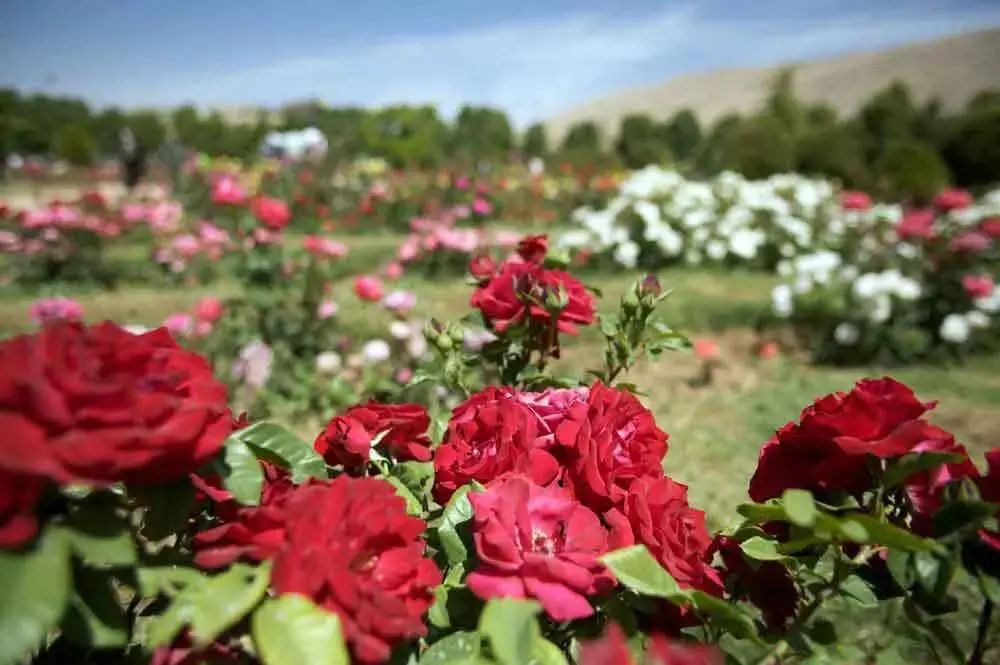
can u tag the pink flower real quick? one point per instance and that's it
(179, 325)
(208, 310)
(404, 375)
(851, 200)
(394, 271)
(324, 247)
(462, 182)
(916, 224)
(46, 310)
(266, 237)
(327, 309)
(970, 242)
(481, 207)
(706, 349)
(400, 302)
(368, 288)
(186, 245)
(952, 199)
(409, 250)
(226, 191)
(978, 286)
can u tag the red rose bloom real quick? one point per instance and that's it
(247, 533)
(952, 199)
(675, 534)
(826, 449)
(978, 286)
(916, 224)
(536, 542)
(347, 439)
(850, 200)
(990, 227)
(183, 652)
(482, 267)
(532, 249)
(97, 405)
(353, 550)
(767, 584)
(609, 441)
(612, 649)
(519, 292)
(924, 488)
(489, 434)
(18, 496)
(989, 490)
(272, 213)
(208, 310)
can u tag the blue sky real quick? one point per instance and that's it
(531, 57)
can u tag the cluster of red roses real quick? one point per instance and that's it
(521, 291)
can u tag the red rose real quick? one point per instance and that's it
(368, 288)
(208, 310)
(483, 267)
(272, 213)
(250, 533)
(18, 496)
(978, 286)
(613, 649)
(916, 224)
(850, 200)
(97, 405)
(521, 291)
(352, 549)
(989, 490)
(675, 534)
(609, 441)
(532, 249)
(489, 434)
(347, 439)
(536, 542)
(767, 584)
(952, 199)
(989, 227)
(924, 488)
(183, 652)
(969, 242)
(826, 450)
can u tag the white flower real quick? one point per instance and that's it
(990, 303)
(400, 330)
(627, 254)
(954, 329)
(416, 346)
(254, 364)
(882, 309)
(376, 351)
(782, 301)
(977, 319)
(715, 250)
(328, 362)
(846, 334)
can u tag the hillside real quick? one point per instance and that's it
(952, 69)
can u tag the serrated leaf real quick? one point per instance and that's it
(800, 507)
(636, 569)
(891, 536)
(413, 505)
(37, 582)
(854, 532)
(417, 476)
(291, 630)
(457, 512)
(724, 613)
(762, 549)
(511, 628)
(958, 521)
(275, 443)
(455, 648)
(100, 539)
(240, 472)
(856, 588)
(154, 580)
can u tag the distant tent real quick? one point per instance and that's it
(308, 142)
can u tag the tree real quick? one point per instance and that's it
(911, 171)
(972, 149)
(535, 142)
(640, 142)
(406, 136)
(782, 105)
(887, 118)
(832, 150)
(759, 147)
(712, 154)
(75, 144)
(149, 129)
(106, 127)
(482, 133)
(186, 125)
(582, 143)
(682, 134)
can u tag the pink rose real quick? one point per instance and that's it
(368, 288)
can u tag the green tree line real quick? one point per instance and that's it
(892, 145)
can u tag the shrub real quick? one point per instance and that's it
(911, 171)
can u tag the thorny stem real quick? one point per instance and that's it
(984, 624)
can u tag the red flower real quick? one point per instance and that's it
(18, 496)
(208, 310)
(522, 291)
(989, 227)
(969, 242)
(532, 249)
(613, 649)
(272, 213)
(489, 434)
(978, 286)
(989, 490)
(827, 449)
(347, 439)
(368, 288)
(850, 200)
(952, 199)
(352, 549)
(924, 488)
(675, 534)
(769, 350)
(483, 267)
(610, 440)
(226, 191)
(97, 405)
(706, 349)
(767, 584)
(536, 542)
(183, 652)
(250, 533)
(916, 224)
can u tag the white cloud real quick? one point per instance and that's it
(536, 69)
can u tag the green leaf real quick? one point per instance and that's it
(510, 626)
(761, 512)
(166, 508)
(413, 505)
(453, 649)
(457, 512)
(547, 653)
(908, 465)
(958, 521)
(95, 619)
(223, 600)
(154, 580)
(762, 549)
(854, 531)
(823, 632)
(291, 630)
(438, 613)
(856, 588)
(241, 473)
(417, 476)
(800, 507)
(891, 536)
(36, 591)
(728, 615)
(100, 538)
(637, 570)
(285, 449)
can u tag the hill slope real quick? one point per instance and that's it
(952, 69)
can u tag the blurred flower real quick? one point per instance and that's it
(368, 288)
(328, 363)
(404, 375)
(846, 334)
(706, 349)
(272, 213)
(394, 271)
(769, 350)
(254, 364)
(952, 199)
(179, 324)
(978, 286)
(47, 310)
(782, 301)
(482, 207)
(208, 310)
(954, 329)
(376, 351)
(400, 302)
(851, 200)
(327, 309)
(400, 330)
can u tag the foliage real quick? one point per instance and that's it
(640, 142)
(911, 170)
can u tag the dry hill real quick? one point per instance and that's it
(952, 69)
